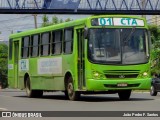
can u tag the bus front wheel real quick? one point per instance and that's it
(32, 93)
(124, 94)
(70, 92)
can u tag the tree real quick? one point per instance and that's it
(54, 21)
(61, 21)
(155, 51)
(68, 19)
(155, 33)
(3, 64)
(45, 21)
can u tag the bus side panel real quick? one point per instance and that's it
(43, 76)
(47, 83)
(11, 81)
(13, 64)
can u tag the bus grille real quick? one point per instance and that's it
(122, 76)
(121, 73)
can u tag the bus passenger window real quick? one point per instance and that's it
(45, 44)
(25, 47)
(10, 49)
(34, 45)
(68, 41)
(57, 42)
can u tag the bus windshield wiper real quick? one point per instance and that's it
(125, 39)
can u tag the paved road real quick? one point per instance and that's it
(16, 100)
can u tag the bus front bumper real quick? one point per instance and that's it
(105, 85)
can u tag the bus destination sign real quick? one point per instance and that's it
(120, 22)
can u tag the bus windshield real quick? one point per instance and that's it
(118, 46)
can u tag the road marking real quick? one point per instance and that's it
(3, 109)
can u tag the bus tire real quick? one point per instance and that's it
(70, 92)
(124, 94)
(32, 93)
(153, 91)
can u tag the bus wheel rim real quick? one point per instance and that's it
(28, 88)
(70, 89)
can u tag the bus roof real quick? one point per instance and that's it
(66, 25)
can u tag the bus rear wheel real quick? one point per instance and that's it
(124, 94)
(70, 92)
(32, 93)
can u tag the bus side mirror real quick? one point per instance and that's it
(149, 36)
(85, 32)
(149, 40)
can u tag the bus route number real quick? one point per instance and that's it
(105, 21)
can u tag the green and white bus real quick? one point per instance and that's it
(98, 54)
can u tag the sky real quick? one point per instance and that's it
(23, 22)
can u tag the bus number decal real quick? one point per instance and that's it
(105, 21)
(50, 66)
(10, 66)
(24, 65)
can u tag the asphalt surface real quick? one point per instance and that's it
(16, 100)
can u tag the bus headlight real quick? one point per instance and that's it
(97, 75)
(145, 74)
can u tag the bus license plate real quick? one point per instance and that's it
(122, 85)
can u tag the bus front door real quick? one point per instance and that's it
(16, 58)
(81, 62)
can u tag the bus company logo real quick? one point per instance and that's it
(121, 76)
(6, 114)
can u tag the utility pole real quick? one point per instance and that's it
(35, 20)
(143, 7)
(34, 15)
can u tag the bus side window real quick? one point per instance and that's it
(10, 49)
(25, 47)
(57, 42)
(68, 41)
(34, 45)
(45, 44)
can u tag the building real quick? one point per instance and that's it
(155, 20)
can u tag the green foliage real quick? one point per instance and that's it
(68, 19)
(155, 58)
(155, 52)
(155, 33)
(45, 21)
(54, 21)
(3, 64)
(61, 21)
